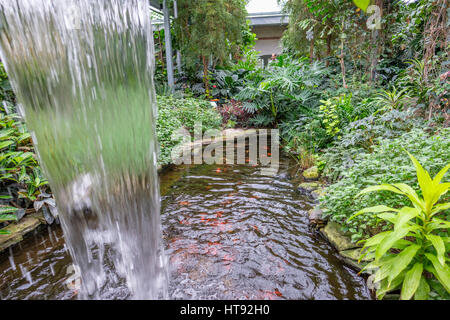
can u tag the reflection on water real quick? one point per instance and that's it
(229, 234)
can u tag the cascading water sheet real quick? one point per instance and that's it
(82, 71)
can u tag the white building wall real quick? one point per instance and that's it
(269, 39)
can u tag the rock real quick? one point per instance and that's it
(308, 186)
(49, 218)
(318, 193)
(354, 254)
(316, 217)
(337, 238)
(311, 173)
(18, 231)
(351, 257)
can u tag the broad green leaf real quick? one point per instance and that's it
(438, 224)
(440, 207)
(423, 290)
(401, 244)
(264, 85)
(8, 217)
(4, 210)
(410, 193)
(425, 182)
(5, 232)
(405, 215)
(402, 260)
(362, 4)
(442, 273)
(388, 241)
(382, 187)
(24, 136)
(383, 272)
(437, 179)
(386, 287)
(439, 245)
(411, 281)
(5, 144)
(376, 265)
(375, 209)
(388, 216)
(6, 133)
(437, 192)
(376, 239)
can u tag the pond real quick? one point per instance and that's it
(229, 232)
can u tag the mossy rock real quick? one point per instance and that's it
(337, 237)
(319, 192)
(316, 217)
(18, 231)
(309, 186)
(311, 173)
(352, 256)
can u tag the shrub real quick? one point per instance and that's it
(6, 93)
(418, 237)
(174, 114)
(286, 88)
(361, 135)
(388, 163)
(232, 112)
(21, 179)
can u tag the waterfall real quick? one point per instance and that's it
(82, 71)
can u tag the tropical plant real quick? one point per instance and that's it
(5, 215)
(390, 99)
(6, 93)
(227, 83)
(358, 168)
(335, 113)
(19, 171)
(285, 87)
(174, 114)
(417, 246)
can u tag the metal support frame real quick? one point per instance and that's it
(175, 14)
(169, 53)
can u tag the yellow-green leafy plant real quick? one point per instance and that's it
(330, 117)
(408, 256)
(5, 215)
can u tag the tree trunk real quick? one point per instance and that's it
(205, 75)
(311, 50)
(329, 41)
(161, 55)
(374, 56)
(434, 30)
(344, 83)
(376, 43)
(341, 58)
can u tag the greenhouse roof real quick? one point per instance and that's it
(155, 3)
(268, 19)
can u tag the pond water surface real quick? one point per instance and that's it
(230, 233)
